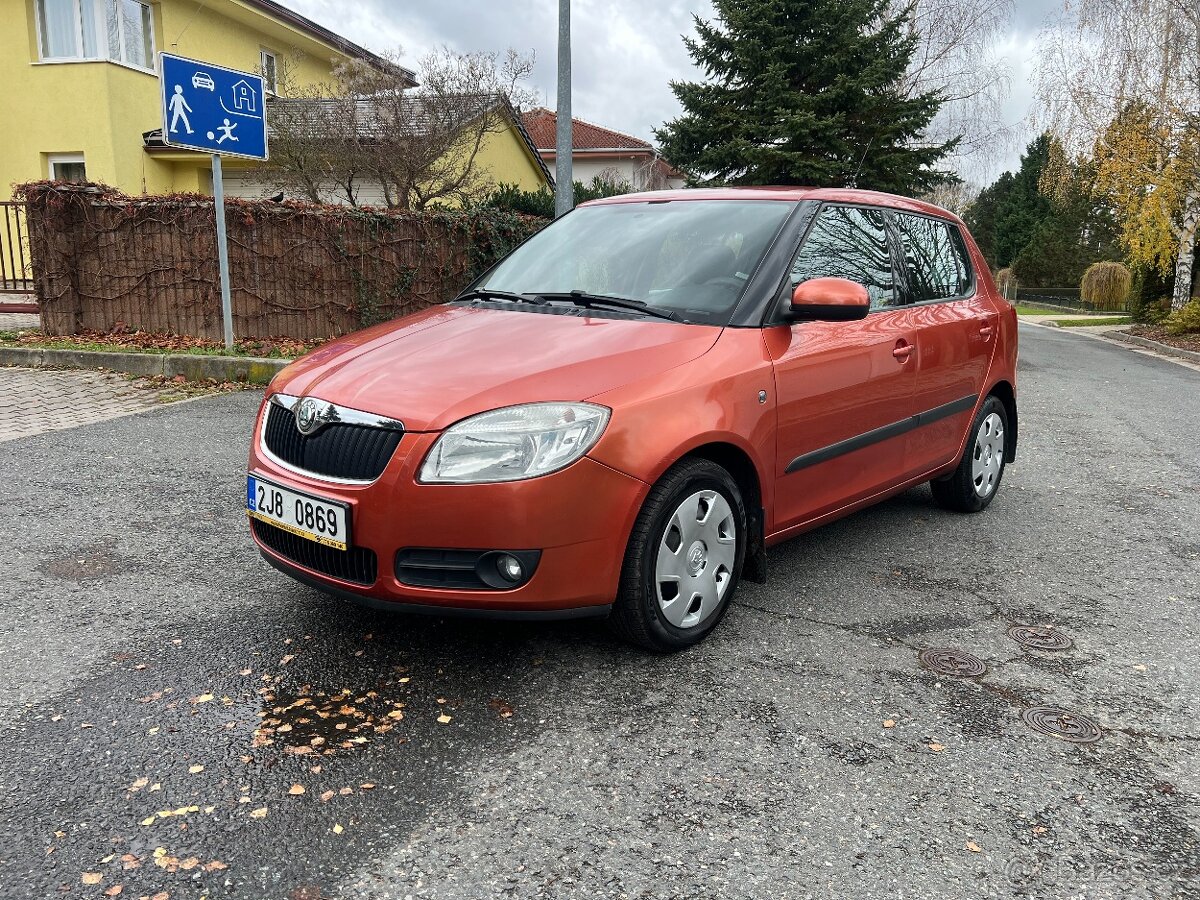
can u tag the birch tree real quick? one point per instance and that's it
(957, 56)
(1119, 80)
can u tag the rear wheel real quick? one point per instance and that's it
(971, 487)
(684, 558)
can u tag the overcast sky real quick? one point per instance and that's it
(625, 52)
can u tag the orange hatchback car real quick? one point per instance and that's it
(621, 416)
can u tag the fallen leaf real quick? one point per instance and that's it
(157, 786)
(91, 878)
(396, 714)
(314, 769)
(215, 866)
(889, 723)
(287, 659)
(444, 719)
(367, 786)
(161, 895)
(109, 858)
(260, 813)
(114, 891)
(149, 821)
(337, 829)
(344, 791)
(60, 834)
(1039, 829)
(296, 789)
(1140, 668)
(139, 667)
(139, 784)
(153, 730)
(203, 698)
(936, 748)
(129, 861)
(195, 770)
(56, 718)
(502, 708)
(86, 725)
(246, 672)
(405, 680)
(974, 847)
(188, 864)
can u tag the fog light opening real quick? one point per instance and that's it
(510, 568)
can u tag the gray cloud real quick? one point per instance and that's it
(625, 52)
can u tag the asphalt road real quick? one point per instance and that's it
(801, 751)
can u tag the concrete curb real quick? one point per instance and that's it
(1156, 346)
(250, 369)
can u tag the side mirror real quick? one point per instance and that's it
(830, 299)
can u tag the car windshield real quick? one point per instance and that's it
(691, 258)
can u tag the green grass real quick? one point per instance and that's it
(1094, 320)
(1023, 310)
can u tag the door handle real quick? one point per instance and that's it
(986, 329)
(903, 350)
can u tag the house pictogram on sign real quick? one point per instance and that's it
(245, 98)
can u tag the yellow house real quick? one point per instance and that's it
(80, 90)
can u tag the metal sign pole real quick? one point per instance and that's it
(222, 250)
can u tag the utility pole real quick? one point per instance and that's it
(564, 186)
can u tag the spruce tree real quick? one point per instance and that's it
(804, 92)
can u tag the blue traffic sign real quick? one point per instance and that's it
(212, 108)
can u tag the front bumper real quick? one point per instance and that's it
(579, 518)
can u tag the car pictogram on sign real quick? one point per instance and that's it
(203, 80)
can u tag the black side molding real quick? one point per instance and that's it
(883, 433)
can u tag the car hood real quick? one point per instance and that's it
(434, 368)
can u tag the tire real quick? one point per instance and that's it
(684, 558)
(973, 485)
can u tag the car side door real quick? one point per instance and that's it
(957, 328)
(844, 390)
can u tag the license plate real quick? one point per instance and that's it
(315, 518)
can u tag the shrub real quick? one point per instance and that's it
(541, 201)
(1185, 320)
(1149, 298)
(1106, 285)
(1006, 283)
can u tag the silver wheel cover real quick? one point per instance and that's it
(695, 559)
(987, 462)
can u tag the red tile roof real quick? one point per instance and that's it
(541, 124)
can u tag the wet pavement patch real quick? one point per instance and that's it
(948, 661)
(1062, 724)
(1040, 637)
(85, 564)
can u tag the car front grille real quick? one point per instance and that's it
(358, 564)
(337, 450)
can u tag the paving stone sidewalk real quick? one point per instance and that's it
(36, 400)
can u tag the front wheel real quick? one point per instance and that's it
(684, 558)
(971, 487)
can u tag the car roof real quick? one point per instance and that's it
(785, 193)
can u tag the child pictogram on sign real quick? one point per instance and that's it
(226, 133)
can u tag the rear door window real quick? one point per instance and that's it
(935, 259)
(849, 242)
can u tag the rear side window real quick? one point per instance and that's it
(849, 242)
(935, 259)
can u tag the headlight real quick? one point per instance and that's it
(514, 443)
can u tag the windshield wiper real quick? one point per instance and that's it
(582, 298)
(489, 294)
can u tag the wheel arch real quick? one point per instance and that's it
(1004, 392)
(740, 466)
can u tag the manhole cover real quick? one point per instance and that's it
(1039, 637)
(1062, 724)
(947, 661)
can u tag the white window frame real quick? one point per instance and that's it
(100, 24)
(56, 159)
(270, 86)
